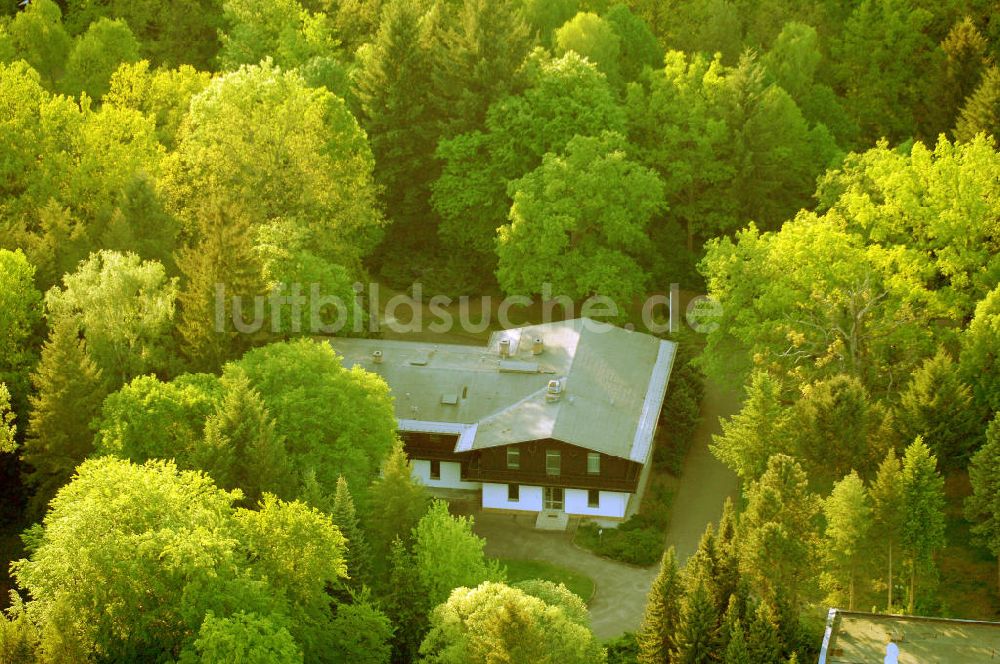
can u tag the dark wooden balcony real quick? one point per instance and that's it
(569, 481)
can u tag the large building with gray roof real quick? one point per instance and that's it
(557, 417)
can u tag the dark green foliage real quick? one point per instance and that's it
(623, 649)
(241, 448)
(638, 48)
(938, 406)
(68, 392)
(983, 506)
(763, 640)
(681, 413)
(393, 84)
(836, 428)
(209, 324)
(169, 33)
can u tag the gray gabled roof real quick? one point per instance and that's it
(614, 381)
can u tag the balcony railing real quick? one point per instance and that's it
(573, 481)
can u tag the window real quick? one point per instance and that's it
(553, 462)
(593, 498)
(513, 457)
(593, 463)
(513, 493)
(435, 470)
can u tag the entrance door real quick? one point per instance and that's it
(552, 498)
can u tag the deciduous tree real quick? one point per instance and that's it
(447, 554)
(578, 223)
(494, 621)
(124, 307)
(96, 55)
(335, 421)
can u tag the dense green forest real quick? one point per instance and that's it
(176, 489)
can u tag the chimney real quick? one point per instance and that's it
(505, 348)
(537, 346)
(554, 391)
(377, 356)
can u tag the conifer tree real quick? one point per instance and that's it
(937, 405)
(923, 513)
(848, 519)
(659, 622)
(737, 651)
(727, 571)
(404, 603)
(778, 532)
(703, 568)
(983, 506)
(218, 268)
(887, 516)
(981, 112)
(396, 503)
(345, 517)
(393, 81)
(966, 55)
(476, 59)
(751, 436)
(68, 393)
(697, 638)
(763, 636)
(241, 448)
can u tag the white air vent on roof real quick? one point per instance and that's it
(377, 356)
(554, 391)
(505, 348)
(537, 346)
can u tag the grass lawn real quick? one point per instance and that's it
(522, 570)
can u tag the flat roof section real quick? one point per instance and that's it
(857, 638)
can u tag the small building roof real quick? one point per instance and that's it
(612, 384)
(853, 637)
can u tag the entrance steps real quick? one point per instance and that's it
(552, 520)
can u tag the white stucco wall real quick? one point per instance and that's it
(451, 475)
(612, 504)
(495, 497)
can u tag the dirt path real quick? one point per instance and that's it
(705, 481)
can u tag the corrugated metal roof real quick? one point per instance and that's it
(614, 381)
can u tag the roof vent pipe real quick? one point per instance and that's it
(537, 346)
(377, 356)
(505, 348)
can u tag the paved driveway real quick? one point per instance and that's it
(620, 595)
